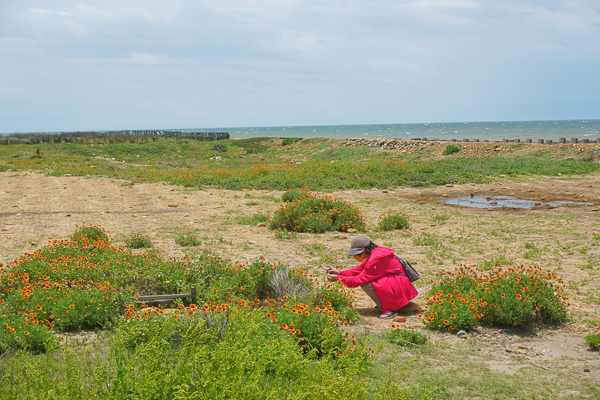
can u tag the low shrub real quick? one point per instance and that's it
(293, 195)
(187, 241)
(288, 141)
(307, 212)
(393, 220)
(593, 341)
(138, 241)
(451, 149)
(19, 332)
(405, 337)
(494, 296)
(338, 297)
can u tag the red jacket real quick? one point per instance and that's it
(394, 291)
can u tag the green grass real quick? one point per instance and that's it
(253, 331)
(252, 219)
(188, 163)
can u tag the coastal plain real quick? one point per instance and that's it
(37, 206)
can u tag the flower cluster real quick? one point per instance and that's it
(502, 296)
(307, 212)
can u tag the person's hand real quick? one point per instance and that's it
(332, 278)
(331, 271)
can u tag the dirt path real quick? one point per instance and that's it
(35, 208)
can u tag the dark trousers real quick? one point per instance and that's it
(368, 288)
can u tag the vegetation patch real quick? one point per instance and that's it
(188, 240)
(307, 212)
(261, 328)
(593, 341)
(138, 241)
(451, 149)
(288, 141)
(253, 219)
(497, 296)
(393, 220)
(405, 337)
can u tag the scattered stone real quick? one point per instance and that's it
(251, 242)
(340, 236)
(462, 334)
(261, 225)
(471, 265)
(491, 209)
(68, 215)
(449, 185)
(385, 191)
(1, 264)
(585, 370)
(374, 189)
(520, 351)
(508, 350)
(399, 319)
(351, 230)
(595, 209)
(538, 203)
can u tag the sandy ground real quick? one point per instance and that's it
(35, 208)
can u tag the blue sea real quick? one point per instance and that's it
(581, 129)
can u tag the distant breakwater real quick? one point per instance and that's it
(391, 144)
(112, 137)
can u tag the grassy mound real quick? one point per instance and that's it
(303, 211)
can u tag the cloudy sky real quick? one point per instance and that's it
(144, 64)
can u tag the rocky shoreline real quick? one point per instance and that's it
(479, 149)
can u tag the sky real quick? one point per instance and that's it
(176, 64)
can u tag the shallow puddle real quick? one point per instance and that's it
(501, 201)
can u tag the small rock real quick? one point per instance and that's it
(508, 350)
(462, 334)
(340, 236)
(585, 370)
(251, 242)
(490, 209)
(520, 351)
(449, 185)
(374, 189)
(399, 319)
(351, 230)
(1, 264)
(68, 215)
(471, 265)
(385, 191)
(538, 203)
(261, 225)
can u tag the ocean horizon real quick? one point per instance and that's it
(584, 128)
